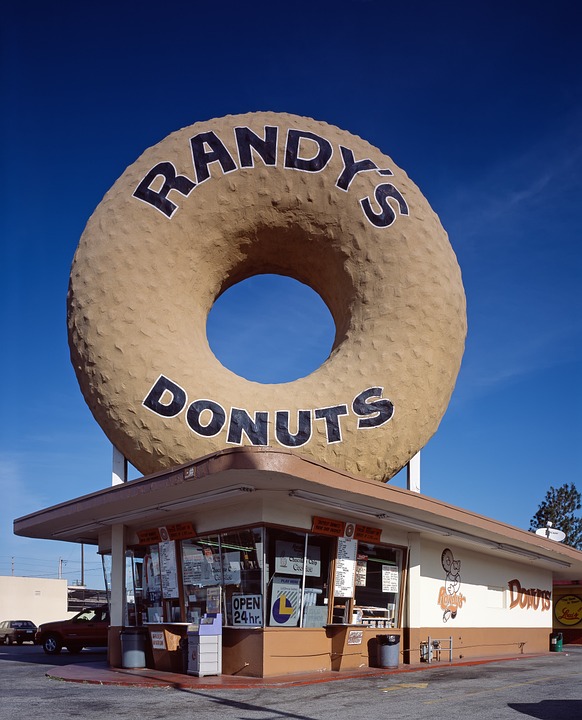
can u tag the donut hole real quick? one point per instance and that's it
(270, 329)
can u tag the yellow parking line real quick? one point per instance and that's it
(405, 686)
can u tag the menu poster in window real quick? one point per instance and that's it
(361, 570)
(168, 569)
(389, 579)
(345, 567)
(199, 566)
(231, 567)
(152, 584)
(289, 559)
(202, 567)
(213, 600)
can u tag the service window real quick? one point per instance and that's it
(145, 598)
(378, 582)
(242, 562)
(298, 569)
(202, 571)
(152, 585)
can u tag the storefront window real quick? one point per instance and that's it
(152, 585)
(377, 585)
(298, 567)
(243, 555)
(232, 562)
(201, 570)
(266, 577)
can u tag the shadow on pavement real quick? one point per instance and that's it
(249, 707)
(550, 709)
(35, 655)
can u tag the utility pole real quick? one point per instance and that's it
(82, 565)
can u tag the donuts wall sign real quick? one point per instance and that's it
(218, 202)
(304, 151)
(207, 418)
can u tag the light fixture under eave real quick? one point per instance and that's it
(142, 513)
(400, 520)
(203, 498)
(532, 555)
(87, 527)
(333, 502)
(420, 525)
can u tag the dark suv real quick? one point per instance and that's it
(17, 631)
(87, 629)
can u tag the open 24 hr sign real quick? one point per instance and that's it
(247, 610)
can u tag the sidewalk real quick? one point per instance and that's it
(100, 673)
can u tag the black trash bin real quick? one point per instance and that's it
(556, 642)
(133, 647)
(388, 650)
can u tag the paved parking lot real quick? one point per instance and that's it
(547, 688)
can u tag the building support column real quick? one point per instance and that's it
(413, 473)
(117, 595)
(411, 650)
(118, 468)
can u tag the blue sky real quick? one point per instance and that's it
(480, 103)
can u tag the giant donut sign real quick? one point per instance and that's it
(218, 202)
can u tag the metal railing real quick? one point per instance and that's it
(432, 648)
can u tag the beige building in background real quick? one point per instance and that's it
(37, 599)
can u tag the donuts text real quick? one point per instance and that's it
(207, 418)
(304, 151)
(528, 598)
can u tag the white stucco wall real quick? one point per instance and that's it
(481, 592)
(37, 599)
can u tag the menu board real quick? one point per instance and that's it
(168, 570)
(361, 570)
(202, 566)
(389, 579)
(345, 567)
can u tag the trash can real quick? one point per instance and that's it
(388, 650)
(556, 642)
(133, 647)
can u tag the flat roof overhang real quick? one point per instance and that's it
(258, 474)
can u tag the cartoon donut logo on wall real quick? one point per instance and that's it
(218, 202)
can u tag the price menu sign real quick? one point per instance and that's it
(345, 567)
(389, 579)
(168, 569)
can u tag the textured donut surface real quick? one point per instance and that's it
(219, 201)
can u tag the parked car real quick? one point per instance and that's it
(17, 631)
(86, 629)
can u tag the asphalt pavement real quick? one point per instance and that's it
(546, 687)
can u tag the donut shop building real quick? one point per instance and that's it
(309, 567)
(263, 517)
